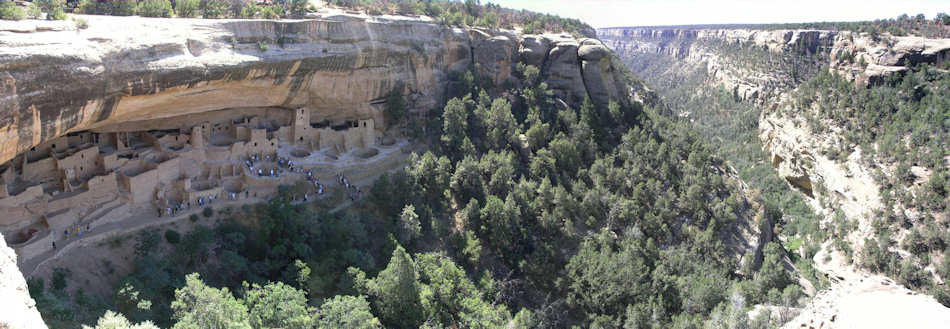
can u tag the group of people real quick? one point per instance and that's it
(252, 160)
(352, 191)
(173, 209)
(78, 229)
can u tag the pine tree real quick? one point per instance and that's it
(397, 292)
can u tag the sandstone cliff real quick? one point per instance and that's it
(762, 64)
(61, 79)
(19, 310)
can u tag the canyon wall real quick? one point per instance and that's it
(56, 79)
(760, 65)
(763, 68)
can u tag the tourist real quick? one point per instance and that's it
(66, 233)
(54, 245)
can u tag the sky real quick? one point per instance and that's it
(608, 13)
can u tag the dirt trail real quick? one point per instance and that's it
(857, 299)
(75, 251)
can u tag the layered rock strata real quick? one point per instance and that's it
(128, 69)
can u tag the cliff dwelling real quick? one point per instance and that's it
(166, 167)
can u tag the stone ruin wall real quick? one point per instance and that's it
(147, 169)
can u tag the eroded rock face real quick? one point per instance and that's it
(494, 57)
(860, 57)
(125, 69)
(534, 49)
(19, 309)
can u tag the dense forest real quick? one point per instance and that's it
(472, 13)
(731, 127)
(522, 214)
(903, 25)
(448, 12)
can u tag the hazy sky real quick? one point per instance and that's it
(606, 13)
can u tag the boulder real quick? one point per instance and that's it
(562, 71)
(534, 49)
(593, 52)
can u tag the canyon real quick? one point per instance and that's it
(762, 68)
(580, 180)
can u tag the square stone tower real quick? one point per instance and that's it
(197, 138)
(302, 130)
(367, 129)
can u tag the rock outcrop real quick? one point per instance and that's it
(121, 69)
(760, 65)
(19, 309)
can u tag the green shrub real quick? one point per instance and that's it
(36, 286)
(296, 7)
(146, 242)
(49, 6)
(124, 7)
(262, 46)
(59, 278)
(11, 12)
(172, 236)
(272, 12)
(942, 295)
(57, 14)
(250, 9)
(155, 8)
(87, 7)
(33, 11)
(81, 23)
(193, 218)
(214, 8)
(187, 8)
(208, 212)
